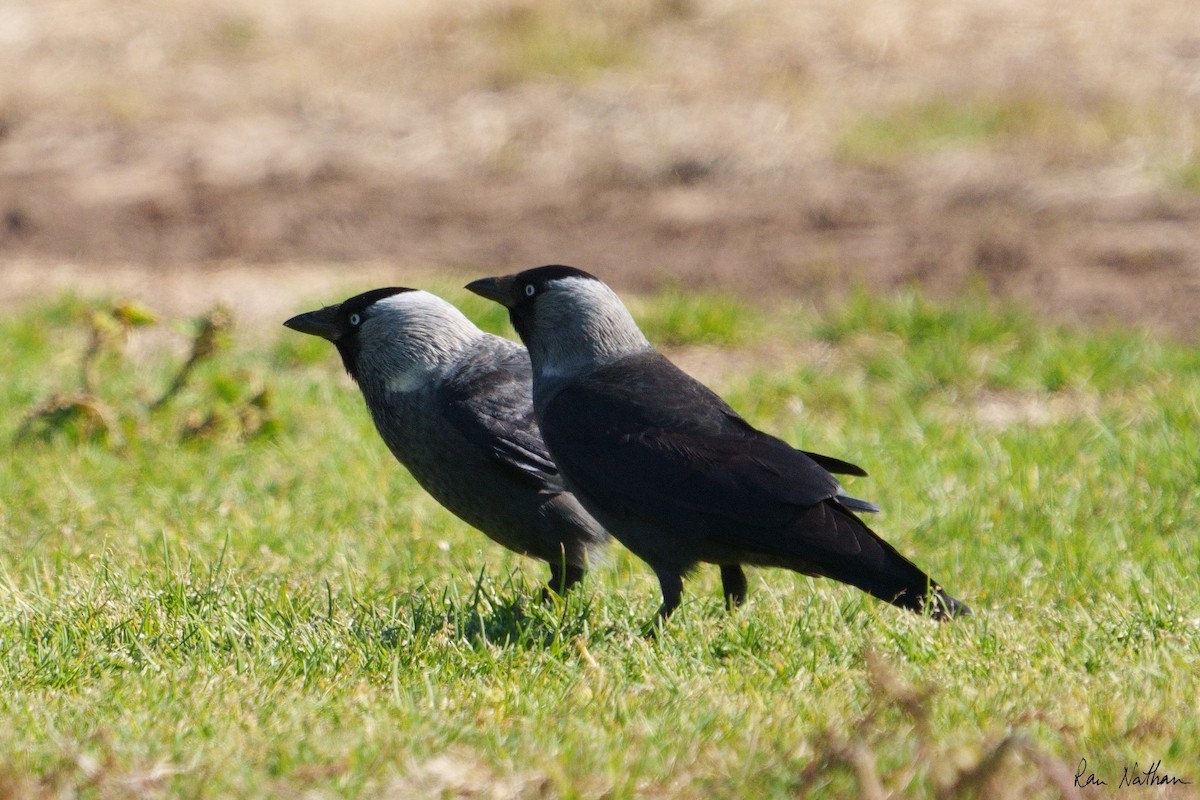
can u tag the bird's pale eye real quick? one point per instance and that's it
(355, 319)
(530, 290)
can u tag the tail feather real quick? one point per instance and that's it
(852, 553)
(854, 504)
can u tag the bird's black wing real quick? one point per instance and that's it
(731, 420)
(646, 442)
(487, 400)
(653, 442)
(836, 465)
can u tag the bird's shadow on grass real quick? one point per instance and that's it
(515, 616)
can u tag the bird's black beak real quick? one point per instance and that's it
(322, 322)
(503, 290)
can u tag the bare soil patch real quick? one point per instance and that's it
(764, 150)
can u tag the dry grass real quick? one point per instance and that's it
(764, 146)
(756, 88)
(1011, 767)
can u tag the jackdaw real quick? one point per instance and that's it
(453, 405)
(671, 470)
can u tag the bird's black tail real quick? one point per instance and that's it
(851, 552)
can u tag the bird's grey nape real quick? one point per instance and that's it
(580, 324)
(404, 339)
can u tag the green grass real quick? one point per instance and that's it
(1188, 176)
(1054, 130)
(676, 317)
(933, 123)
(552, 39)
(289, 614)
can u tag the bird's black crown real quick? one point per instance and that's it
(540, 276)
(361, 302)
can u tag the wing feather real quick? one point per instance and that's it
(648, 436)
(488, 401)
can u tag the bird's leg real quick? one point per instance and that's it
(562, 577)
(733, 582)
(672, 592)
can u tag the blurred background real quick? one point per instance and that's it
(263, 150)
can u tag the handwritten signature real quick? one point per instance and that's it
(1132, 776)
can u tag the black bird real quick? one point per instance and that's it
(671, 470)
(453, 405)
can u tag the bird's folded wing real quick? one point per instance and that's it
(492, 409)
(758, 496)
(836, 465)
(659, 445)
